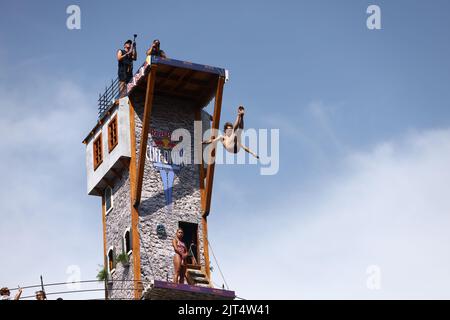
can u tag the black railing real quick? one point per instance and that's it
(107, 99)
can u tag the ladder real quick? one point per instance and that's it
(196, 275)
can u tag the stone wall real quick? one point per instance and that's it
(117, 222)
(157, 253)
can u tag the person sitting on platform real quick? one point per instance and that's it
(5, 294)
(155, 50)
(232, 138)
(125, 60)
(179, 259)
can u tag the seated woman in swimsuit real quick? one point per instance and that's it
(179, 259)
(232, 138)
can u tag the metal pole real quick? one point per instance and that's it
(42, 287)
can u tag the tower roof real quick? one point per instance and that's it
(183, 79)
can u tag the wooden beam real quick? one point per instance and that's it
(215, 125)
(177, 94)
(166, 76)
(201, 169)
(206, 246)
(183, 79)
(144, 134)
(206, 199)
(198, 117)
(171, 77)
(135, 242)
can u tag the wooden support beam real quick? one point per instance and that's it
(206, 199)
(167, 76)
(178, 94)
(171, 76)
(215, 125)
(144, 134)
(198, 117)
(201, 169)
(184, 79)
(135, 242)
(206, 246)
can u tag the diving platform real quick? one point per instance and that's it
(162, 290)
(189, 81)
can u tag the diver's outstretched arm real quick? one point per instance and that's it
(212, 140)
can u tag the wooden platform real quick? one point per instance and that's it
(175, 78)
(161, 290)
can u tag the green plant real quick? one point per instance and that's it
(102, 275)
(123, 259)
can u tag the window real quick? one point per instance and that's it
(98, 152)
(108, 200)
(112, 134)
(127, 248)
(111, 260)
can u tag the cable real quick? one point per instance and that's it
(217, 263)
(102, 289)
(79, 291)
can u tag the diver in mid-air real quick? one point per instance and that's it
(231, 140)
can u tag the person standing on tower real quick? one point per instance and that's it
(125, 58)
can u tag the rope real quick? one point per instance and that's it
(217, 263)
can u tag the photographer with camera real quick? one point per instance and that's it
(125, 58)
(155, 50)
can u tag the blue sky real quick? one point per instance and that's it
(349, 103)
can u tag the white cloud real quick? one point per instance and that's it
(47, 220)
(388, 207)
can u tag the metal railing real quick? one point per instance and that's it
(107, 99)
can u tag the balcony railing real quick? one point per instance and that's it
(107, 99)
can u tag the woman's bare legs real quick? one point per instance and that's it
(182, 273)
(177, 268)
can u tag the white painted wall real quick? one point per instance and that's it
(123, 149)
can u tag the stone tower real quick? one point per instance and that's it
(146, 193)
